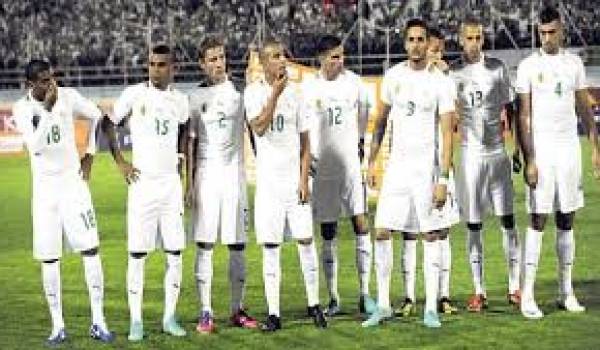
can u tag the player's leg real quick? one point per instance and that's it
(383, 270)
(95, 282)
(135, 294)
(445, 304)
(431, 270)
(172, 287)
(565, 251)
(272, 282)
(204, 272)
(512, 254)
(52, 291)
(237, 280)
(408, 257)
(363, 261)
(477, 302)
(330, 265)
(531, 257)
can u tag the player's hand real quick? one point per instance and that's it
(279, 84)
(439, 196)
(190, 197)
(531, 175)
(371, 176)
(596, 163)
(439, 64)
(50, 98)
(517, 165)
(303, 192)
(86, 166)
(130, 173)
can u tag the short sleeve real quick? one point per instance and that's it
(253, 102)
(123, 105)
(184, 109)
(446, 99)
(580, 79)
(506, 91)
(386, 90)
(84, 107)
(523, 83)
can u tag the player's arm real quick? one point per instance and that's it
(304, 192)
(512, 117)
(182, 144)
(526, 139)
(264, 119)
(85, 108)
(190, 154)
(363, 119)
(378, 134)
(34, 122)
(584, 110)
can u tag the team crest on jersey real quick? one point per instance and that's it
(203, 108)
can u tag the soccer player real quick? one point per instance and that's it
(275, 111)
(340, 116)
(485, 177)
(435, 54)
(414, 187)
(216, 184)
(156, 113)
(552, 89)
(61, 198)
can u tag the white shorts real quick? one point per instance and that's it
(409, 209)
(221, 206)
(484, 181)
(275, 212)
(62, 203)
(559, 186)
(333, 197)
(155, 206)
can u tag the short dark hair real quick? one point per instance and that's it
(415, 22)
(327, 43)
(209, 42)
(267, 44)
(471, 20)
(435, 33)
(549, 14)
(35, 67)
(162, 49)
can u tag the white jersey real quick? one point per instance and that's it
(217, 121)
(417, 99)
(483, 90)
(154, 118)
(552, 81)
(278, 149)
(336, 108)
(51, 144)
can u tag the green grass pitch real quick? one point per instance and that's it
(25, 322)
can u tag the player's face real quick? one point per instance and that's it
(160, 69)
(435, 49)
(551, 36)
(213, 64)
(40, 85)
(471, 39)
(415, 44)
(332, 62)
(274, 61)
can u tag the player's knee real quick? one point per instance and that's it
(271, 245)
(383, 235)
(408, 236)
(90, 252)
(564, 221)
(137, 255)
(430, 236)
(237, 247)
(50, 261)
(443, 233)
(173, 252)
(508, 221)
(204, 245)
(474, 226)
(359, 225)
(328, 230)
(538, 222)
(305, 241)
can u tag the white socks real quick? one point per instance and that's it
(383, 268)
(512, 254)
(204, 273)
(135, 287)
(172, 284)
(533, 244)
(431, 269)
(565, 251)
(237, 278)
(310, 270)
(363, 261)
(409, 267)
(475, 254)
(51, 283)
(272, 277)
(95, 283)
(445, 266)
(330, 262)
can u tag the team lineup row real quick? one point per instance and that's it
(313, 133)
